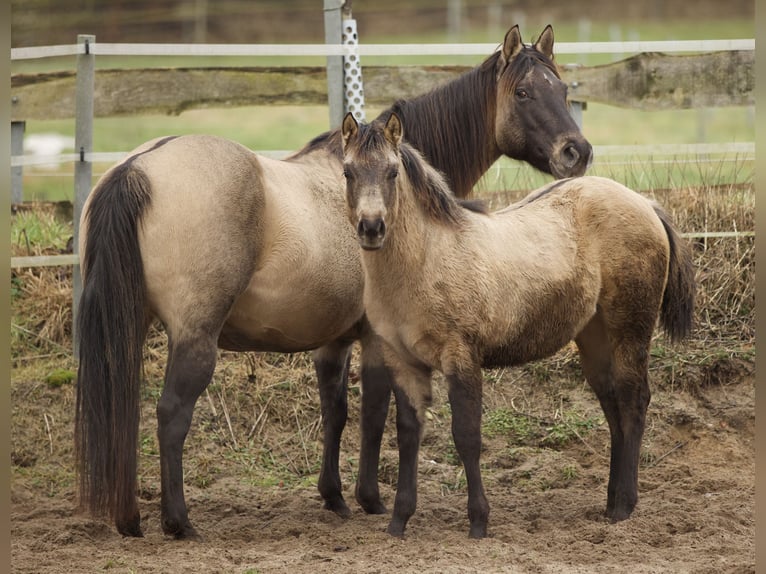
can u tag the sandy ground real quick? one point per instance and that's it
(695, 514)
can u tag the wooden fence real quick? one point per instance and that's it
(647, 81)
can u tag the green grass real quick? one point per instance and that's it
(33, 232)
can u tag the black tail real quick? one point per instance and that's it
(677, 311)
(111, 324)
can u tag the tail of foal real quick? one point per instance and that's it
(677, 310)
(112, 325)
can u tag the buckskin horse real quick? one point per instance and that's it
(451, 288)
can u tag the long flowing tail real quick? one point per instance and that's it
(677, 311)
(112, 326)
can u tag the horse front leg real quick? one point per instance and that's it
(465, 394)
(331, 363)
(190, 369)
(377, 380)
(412, 392)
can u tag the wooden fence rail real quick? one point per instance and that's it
(647, 81)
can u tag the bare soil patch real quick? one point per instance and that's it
(695, 514)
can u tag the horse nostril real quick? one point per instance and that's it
(371, 228)
(570, 156)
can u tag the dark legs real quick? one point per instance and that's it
(408, 433)
(189, 371)
(331, 363)
(377, 382)
(465, 399)
(617, 372)
(412, 396)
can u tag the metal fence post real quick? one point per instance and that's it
(83, 169)
(353, 87)
(17, 173)
(575, 110)
(332, 35)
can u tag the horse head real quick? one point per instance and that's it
(532, 121)
(371, 167)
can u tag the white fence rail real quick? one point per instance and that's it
(467, 49)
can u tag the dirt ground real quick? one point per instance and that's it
(695, 513)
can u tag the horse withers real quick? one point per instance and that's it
(453, 288)
(230, 249)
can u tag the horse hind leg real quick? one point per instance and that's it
(617, 371)
(191, 362)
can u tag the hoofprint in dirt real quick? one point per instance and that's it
(546, 490)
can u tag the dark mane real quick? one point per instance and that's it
(430, 187)
(434, 126)
(330, 140)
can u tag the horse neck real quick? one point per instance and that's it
(454, 127)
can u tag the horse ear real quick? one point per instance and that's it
(544, 43)
(349, 128)
(512, 45)
(394, 130)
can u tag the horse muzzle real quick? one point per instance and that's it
(371, 232)
(572, 158)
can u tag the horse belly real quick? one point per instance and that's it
(289, 318)
(308, 284)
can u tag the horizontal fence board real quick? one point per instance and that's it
(648, 81)
(427, 49)
(44, 261)
(71, 259)
(693, 152)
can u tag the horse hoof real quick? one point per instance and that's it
(395, 529)
(620, 512)
(188, 533)
(130, 528)
(181, 532)
(618, 515)
(478, 531)
(376, 507)
(338, 506)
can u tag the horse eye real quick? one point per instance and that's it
(393, 174)
(347, 174)
(522, 93)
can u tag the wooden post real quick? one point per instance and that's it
(17, 148)
(333, 23)
(83, 169)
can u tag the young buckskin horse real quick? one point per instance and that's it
(451, 289)
(230, 249)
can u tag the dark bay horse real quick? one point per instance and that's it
(454, 290)
(232, 250)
